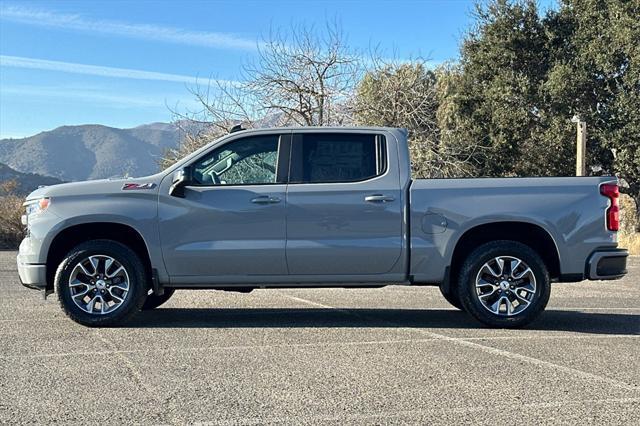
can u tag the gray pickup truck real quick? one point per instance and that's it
(316, 207)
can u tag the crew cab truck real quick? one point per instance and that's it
(316, 207)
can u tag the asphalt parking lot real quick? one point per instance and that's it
(392, 355)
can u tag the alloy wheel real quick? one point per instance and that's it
(505, 286)
(99, 284)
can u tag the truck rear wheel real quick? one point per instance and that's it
(153, 300)
(504, 284)
(101, 283)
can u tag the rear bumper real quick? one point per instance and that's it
(607, 264)
(32, 275)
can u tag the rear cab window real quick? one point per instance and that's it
(337, 157)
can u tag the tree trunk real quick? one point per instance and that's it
(636, 198)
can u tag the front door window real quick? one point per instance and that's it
(248, 161)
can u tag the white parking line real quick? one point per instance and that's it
(492, 350)
(35, 320)
(577, 308)
(258, 310)
(137, 377)
(129, 365)
(299, 345)
(408, 413)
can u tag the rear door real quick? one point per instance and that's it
(344, 206)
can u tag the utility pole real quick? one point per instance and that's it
(581, 146)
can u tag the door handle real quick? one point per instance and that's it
(378, 198)
(265, 199)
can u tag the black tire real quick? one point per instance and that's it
(470, 271)
(451, 295)
(153, 301)
(131, 303)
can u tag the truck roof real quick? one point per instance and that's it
(311, 129)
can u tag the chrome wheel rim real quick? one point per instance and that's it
(99, 284)
(505, 286)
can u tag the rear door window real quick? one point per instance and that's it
(337, 157)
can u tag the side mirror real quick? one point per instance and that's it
(180, 179)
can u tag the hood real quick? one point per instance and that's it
(101, 186)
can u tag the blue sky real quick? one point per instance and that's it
(122, 63)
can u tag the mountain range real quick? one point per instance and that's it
(24, 182)
(71, 153)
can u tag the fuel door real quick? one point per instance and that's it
(434, 223)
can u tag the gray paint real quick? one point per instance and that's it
(331, 227)
(219, 231)
(95, 201)
(570, 210)
(322, 234)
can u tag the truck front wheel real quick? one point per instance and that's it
(504, 284)
(101, 283)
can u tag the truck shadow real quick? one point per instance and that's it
(550, 320)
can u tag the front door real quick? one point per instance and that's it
(231, 221)
(344, 206)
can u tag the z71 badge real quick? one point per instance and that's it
(137, 186)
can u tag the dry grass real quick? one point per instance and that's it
(11, 228)
(11, 209)
(630, 241)
(628, 238)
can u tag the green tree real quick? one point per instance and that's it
(495, 96)
(407, 95)
(522, 76)
(595, 49)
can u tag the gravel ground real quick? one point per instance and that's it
(330, 356)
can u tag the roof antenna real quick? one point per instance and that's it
(236, 128)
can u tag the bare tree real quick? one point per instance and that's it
(221, 104)
(302, 77)
(311, 78)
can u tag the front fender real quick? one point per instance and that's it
(138, 212)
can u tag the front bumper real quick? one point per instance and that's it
(32, 275)
(607, 264)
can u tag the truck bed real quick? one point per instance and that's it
(570, 209)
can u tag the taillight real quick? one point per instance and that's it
(611, 191)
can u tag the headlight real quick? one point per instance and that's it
(35, 207)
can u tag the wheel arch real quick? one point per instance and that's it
(530, 234)
(73, 235)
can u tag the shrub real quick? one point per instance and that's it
(11, 229)
(628, 237)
